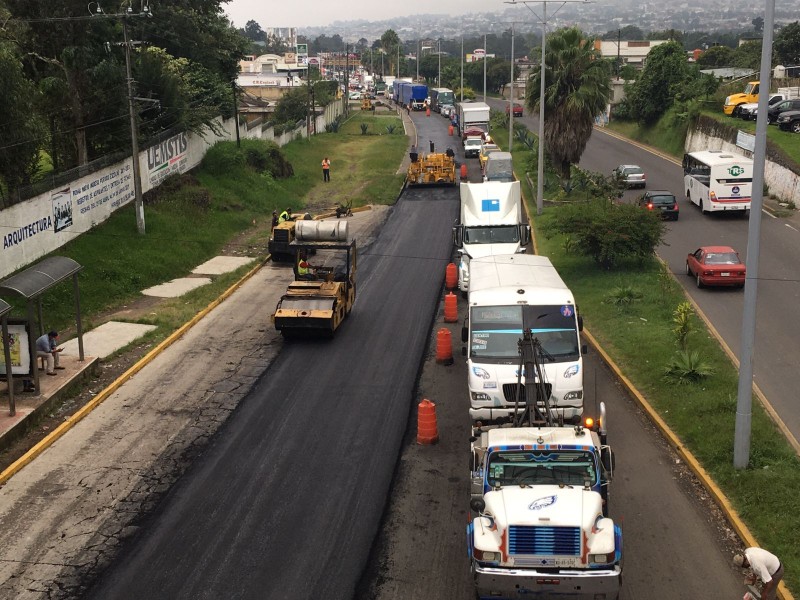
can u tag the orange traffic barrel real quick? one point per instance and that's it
(444, 347)
(451, 276)
(427, 430)
(427, 112)
(450, 308)
(450, 130)
(463, 170)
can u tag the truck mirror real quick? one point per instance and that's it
(525, 234)
(585, 349)
(464, 334)
(458, 236)
(463, 350)
(580, 323)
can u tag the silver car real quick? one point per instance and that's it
(631, 175)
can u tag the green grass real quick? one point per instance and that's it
(640, 341)
(668, 135)
(190, 224)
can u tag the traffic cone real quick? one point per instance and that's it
(450, 131)
(444, 347)
(427, 112)
(427, 430)
(450, 308)
(451, 276)
(463, 170)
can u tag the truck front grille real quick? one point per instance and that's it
(281, 235)
(544, 541)
(510, 392)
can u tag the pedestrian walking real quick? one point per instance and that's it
(763, 565)
(431, 145)
(326, 169)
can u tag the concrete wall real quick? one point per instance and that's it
(41, 225)
(779, 172)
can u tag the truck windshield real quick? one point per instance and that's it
(501, 234)
(446, 98)
(495, 331)
(541, 467)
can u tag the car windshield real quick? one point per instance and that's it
(722, 258)
(505, 234)
(541, 467)
(660, 200)
(496, 330)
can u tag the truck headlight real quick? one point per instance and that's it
(576, 395)
(602, 559)
(573, 370)
(480, 397)
(483, 555)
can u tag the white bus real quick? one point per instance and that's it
(716, 180)
(509, 294)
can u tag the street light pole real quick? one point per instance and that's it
(137, 177)
(511, 96)
(462, 66)
(484, 67)
(540, 170)
(439, 52)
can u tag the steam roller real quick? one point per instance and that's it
(437, 168)
(321, 295)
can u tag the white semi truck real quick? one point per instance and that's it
(509, 295)
(539, 496)
(491, 223)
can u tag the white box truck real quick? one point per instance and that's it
(472, 115)
(508, 296)
(491, 222)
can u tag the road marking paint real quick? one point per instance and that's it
(792, 228)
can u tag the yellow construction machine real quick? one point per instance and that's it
(281, 238)
(432, 169)
(366, 104)
(321, 296)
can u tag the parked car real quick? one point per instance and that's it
(775, 111)
(716, 266)
(749, 111)
(789, 120)
(355, 96)
(631, 176)
(663, 201)
(472, 147)
(447, 110)
(486, 150)
(517, 109)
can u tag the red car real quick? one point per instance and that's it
(517, 109)
(716, 265)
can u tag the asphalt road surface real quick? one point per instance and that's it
(287, 501)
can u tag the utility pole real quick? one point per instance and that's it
(744, 399)
(137, 177)
(236, 112)
(511, 98)
(462, 65)
(540, 170)
(484, 66)
(439, 52)
(347, 80)
(619, 43)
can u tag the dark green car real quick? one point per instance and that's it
(664, 202)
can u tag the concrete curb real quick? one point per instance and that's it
(702, 475)
(87, 408)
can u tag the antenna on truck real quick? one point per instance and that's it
(534, 394)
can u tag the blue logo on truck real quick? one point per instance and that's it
(491, 205)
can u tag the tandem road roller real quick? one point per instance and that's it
(432, 169)
(322, 294)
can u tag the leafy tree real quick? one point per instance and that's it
(666, 34)
(758, 24)
(787, 44)
(293, 106)
(577, 89)
(747, 55)
(608, 233)
(22, 132)
(716, 56)
(654, 91)
(390, 42)
(252, 31)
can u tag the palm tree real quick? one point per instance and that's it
(577, 88)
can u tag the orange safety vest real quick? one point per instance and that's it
(326, 164)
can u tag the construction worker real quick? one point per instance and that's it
(326, 169)
(303, 268)
(274, 220)
(286, 215)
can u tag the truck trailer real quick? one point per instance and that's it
(413, 95)
(491, 222)
(508, 295)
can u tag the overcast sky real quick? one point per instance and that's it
(288, 13)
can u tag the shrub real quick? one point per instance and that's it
(364, 128)
(687, 367)
(623, 295)
(259, 155)
(609, 233)
(390, 129)
(682, 319)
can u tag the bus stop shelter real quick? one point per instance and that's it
(5, 308)
(31, 284)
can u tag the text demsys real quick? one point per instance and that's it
(166, 150)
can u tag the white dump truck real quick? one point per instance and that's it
(491, 222)
(539, 496)
(508, 296)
